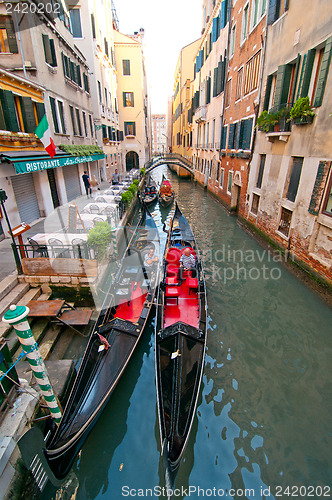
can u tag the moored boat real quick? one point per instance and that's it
(150, 193)
(180, 340)
(166, 194)
(114, 337)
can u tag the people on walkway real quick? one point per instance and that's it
(94, 183)
(87, 184)
(116, 177)
(187, 263)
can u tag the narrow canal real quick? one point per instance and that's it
(263, 421)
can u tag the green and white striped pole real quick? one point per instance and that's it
(16, 316)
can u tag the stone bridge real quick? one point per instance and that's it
(170, 159)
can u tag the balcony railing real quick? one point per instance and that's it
(200, 114)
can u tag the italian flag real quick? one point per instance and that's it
(44, 133)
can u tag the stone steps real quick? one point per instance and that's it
(14, 295)
(7, 285)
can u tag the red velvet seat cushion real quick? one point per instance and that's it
(172, 291)
(192, 282)
(172, 270)
(173, 255)
(171, 281)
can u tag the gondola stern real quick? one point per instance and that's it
(32, 447)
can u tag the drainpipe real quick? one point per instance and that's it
(21, 45)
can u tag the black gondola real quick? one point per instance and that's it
(166, 194)
(180, 339)
(114, 337)
(150, 193)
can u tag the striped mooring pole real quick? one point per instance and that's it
(16, 316)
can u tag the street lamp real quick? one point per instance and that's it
(3, 198)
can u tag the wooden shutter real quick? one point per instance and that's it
(282, 86)
(208, 91)
(267, 92)
(9, 111)
(323, 73)
(93, 26)
(223, 137)
(11, 36)
(231, 136)
(215, 81)
(53, 54)
(319, 187)
(54, 115)
(294, 178)
(220, 77)
(215, 29)
(40, 108)
(78, 75)
(237, 135)
(28, 115)
(296, 75)
(307, 73)
(47, 49)
(223, 14)
(246, 133)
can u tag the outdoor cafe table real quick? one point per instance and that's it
(103, 207)
(107, 198)
(88, 220)
(65, 238)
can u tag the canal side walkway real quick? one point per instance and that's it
(56, 221)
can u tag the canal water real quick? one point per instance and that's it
(263, 427)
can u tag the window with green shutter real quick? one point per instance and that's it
(246, 133)
(7, 35)
(126, 67)
(28, 115)
(215, 81)
(324, 70)
(231, 136)
(224, 137)
(307, 72)
(9, 110)
(54, 115)
(78, 75)
(49, 50)
(215, 29)
(208, 91)
(40, 109)
(282, 86)
(72, 116)
(292, 183)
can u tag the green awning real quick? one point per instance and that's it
(24, 164)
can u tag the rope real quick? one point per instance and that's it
(21, 356)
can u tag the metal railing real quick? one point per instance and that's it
(70, 251)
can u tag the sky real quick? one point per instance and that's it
(169, 26)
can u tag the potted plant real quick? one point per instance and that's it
(266, 121)
(301, 113)
(100, 238)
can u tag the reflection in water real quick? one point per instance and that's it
(264, 418)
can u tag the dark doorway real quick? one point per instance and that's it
(132, 160)
(54, 191)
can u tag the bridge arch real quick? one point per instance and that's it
(171, 159)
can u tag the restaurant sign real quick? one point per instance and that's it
(23, 167)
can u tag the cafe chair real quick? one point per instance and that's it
(58, 249)
(38, 250)
(94, 209)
